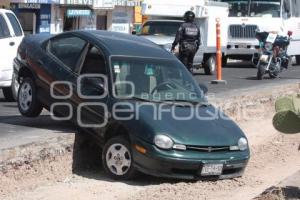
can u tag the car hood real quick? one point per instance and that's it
(159, 39)
(216, 131)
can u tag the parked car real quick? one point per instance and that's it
(11, 35)
(121, 82)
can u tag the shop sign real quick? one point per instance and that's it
(29, 6)
(77, 2)
(35, 1)
(127, 2)
(76, 13)
(98, 4)
(42, 1)
(121, 28)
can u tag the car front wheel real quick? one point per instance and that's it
(28, 103)
(117, 158)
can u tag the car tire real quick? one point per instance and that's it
(210, 65)
(298, 60)
(28, 103)
(14, 87)
(8, 94)
(224, 61)
(117, 158)
(260, 72)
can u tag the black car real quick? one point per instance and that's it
(140, 103)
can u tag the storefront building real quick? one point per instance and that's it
(34, 15)
(56, 16)
(5, 4)
(124, 15)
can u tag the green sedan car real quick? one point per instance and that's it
(137, 100)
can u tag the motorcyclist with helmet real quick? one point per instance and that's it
(188, 37)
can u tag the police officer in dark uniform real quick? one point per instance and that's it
(188, 37)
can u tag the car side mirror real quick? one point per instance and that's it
(92, 86)
(203, 88)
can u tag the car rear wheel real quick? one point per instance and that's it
(28, 103)
(7, 92)
(117, 158)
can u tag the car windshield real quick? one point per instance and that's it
(154, 80)
(265, 8)
(167, 28)
(258, 8)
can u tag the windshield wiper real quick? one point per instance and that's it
(140, 99)
(144, 100)
(187, 101)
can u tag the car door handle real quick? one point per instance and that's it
(11, 43)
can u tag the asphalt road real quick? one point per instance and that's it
(240, 76)
(18, 130)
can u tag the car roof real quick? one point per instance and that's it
(5, 11)
(127, 45)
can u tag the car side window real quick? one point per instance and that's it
(94, 62)
(67, 49)
(15, 24)
(4, 31)
(93, 66)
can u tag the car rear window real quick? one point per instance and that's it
(67, 50)
(4, 31)
(15, 24)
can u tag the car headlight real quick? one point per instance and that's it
(243, 144)
(163, 142)
(268, 46)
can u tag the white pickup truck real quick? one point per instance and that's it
(11, 35)
(165, 17)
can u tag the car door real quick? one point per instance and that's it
(6, 43)
(17, 32)
(64, 54)
(92, 90)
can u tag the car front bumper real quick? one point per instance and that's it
(184, 164)
(5, 77)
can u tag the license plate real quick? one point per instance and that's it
(212, 169)
(264, 58)
(271, 37)
(243, 46)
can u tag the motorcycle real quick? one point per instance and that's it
(272, 57)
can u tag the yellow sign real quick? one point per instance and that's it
(5, 4)
(138, 18)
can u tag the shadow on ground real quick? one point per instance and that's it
(87, 162)
(42, 122)
(280, 193)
